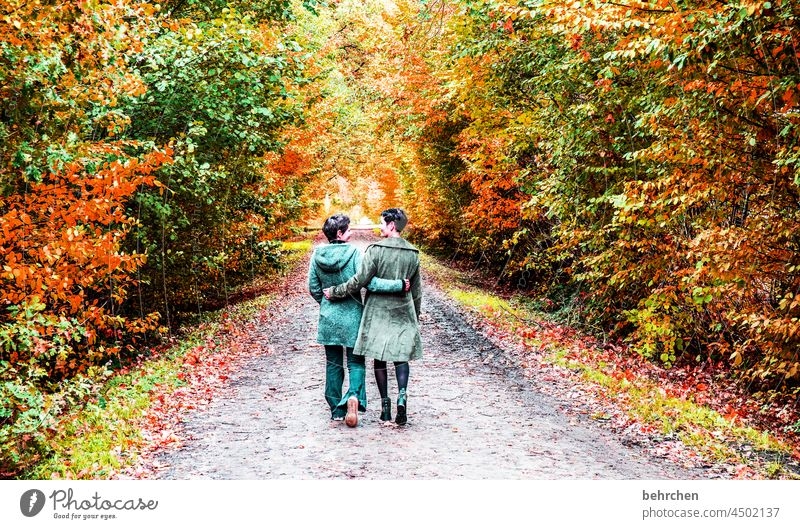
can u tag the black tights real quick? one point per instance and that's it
(401, 371)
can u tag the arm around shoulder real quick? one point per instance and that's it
(366, 271)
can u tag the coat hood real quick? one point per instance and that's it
(334, 257)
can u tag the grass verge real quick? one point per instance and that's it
(630, 383)
(105, 435)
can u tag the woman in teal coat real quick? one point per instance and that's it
(339, 320)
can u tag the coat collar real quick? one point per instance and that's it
(396, 242)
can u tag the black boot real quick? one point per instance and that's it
(386, 409)
(401, 418)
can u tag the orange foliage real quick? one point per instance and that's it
(63, 213)
(61, 246)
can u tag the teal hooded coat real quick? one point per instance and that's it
(339, 319)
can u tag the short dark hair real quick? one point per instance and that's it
(396, 215)
(334, 224)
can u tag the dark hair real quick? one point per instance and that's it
(396, 215)
(334, 224)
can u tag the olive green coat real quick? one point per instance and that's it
(339, 319)
(389, 328)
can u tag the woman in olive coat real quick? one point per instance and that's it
(389, 328)
(339, 320)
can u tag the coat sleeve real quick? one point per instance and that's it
(416, 290)
(314, 282)
(379, 285)
(366, 271)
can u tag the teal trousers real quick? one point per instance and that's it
(334, 379)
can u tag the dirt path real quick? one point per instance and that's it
(469, 417)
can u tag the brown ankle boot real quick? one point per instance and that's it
(351, 419)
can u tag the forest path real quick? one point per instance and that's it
(469, 416)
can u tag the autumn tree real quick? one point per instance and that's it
(66, 179)
(635, 160)
(135, 149)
